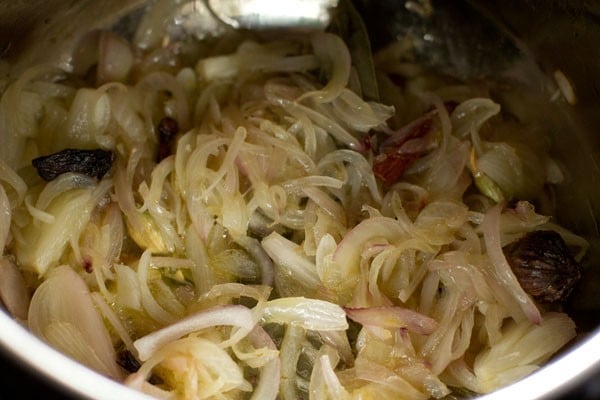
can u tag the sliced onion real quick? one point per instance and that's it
(332, 127)
(5, 218)
(42, 245)
(291, 348)
(232, 315)
(140, 226)
(62, 305)
(287, 255)
(61, 184)
(128, 287)
(13, 291)
(338, 340)
(347, 255)
(20, 110)
(393, 317)
(313, 314)
(333, 55)
(88, 119)
(267, 387)
(114, 320)
(359, 114)
(520, 351)
(253, 247)
(334, 386)
(357, 161)
(324, 383)
(379, 374)
(8, 175)
(233, 290)
(154, 309)
(470, 115)
(194, 360)
(438, 221)
(501, 269)
(115, 58)
(228, 66)
(326, 203)
(515, 167)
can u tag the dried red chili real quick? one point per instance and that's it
(403, 148)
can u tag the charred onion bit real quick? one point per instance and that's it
(403, 148)
(167, 129)
(93, 163)
(544, 266)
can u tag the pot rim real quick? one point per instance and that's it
(64, 373)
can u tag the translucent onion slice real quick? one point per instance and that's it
(267, 387)
(62, 313)
(13, 291)
(386, 381)
(233, 290)
(111, 317)
(288, 256)
(140, 226)
(393, 317)
(347, 255)
(324, 383)
(115, 58)
(8, 175)
(229, 66)
(232, 315)
(291, 348)
(501, 269)
(89, 116)
(5, 217)
(265, 264)
(520, 351)
(43, 244)
(198, 368)
(331, 126)
(313, 314)
(516, 168)
(334, 56)
(359, 114)
(360, 164)
(470, 115)
(61, 184)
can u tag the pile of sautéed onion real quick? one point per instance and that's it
(286, 217)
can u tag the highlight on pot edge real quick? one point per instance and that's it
(292, 215)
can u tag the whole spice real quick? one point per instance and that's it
(544, 266)
(93, 163)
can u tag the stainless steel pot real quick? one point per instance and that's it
(530, 39)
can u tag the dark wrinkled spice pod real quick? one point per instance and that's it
(93, 163)
(544, 266)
